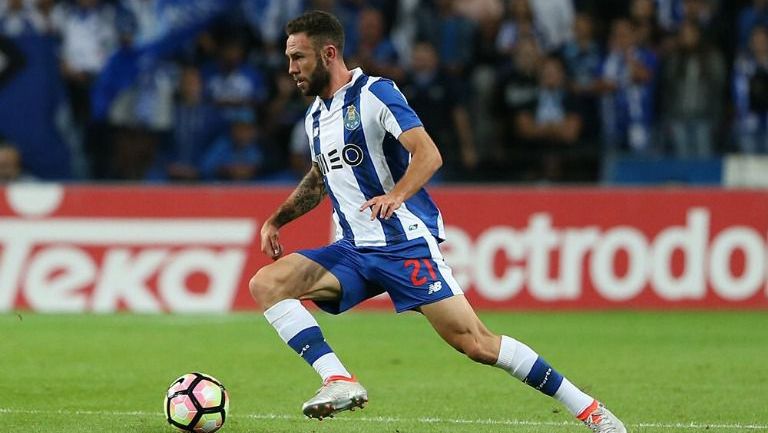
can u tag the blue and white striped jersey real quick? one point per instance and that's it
(354, 140)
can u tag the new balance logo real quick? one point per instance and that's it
(304, 349)
(435, 287)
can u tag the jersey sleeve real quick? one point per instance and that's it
(396, 115)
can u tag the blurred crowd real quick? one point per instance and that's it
(511, 90)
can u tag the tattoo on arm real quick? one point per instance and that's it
(307, 195)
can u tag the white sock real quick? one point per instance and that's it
(519, 360)
(300, 330)
(515, 357)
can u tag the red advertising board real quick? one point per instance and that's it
(193, 249)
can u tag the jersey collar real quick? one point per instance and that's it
(328, 104)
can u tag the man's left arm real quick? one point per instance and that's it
(425, 161)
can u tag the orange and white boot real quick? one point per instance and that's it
(601, 420)
(338, 393)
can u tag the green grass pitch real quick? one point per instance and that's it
(662, 372)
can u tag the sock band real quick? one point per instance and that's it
(543, 377)
(310, 344)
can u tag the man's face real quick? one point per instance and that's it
(552, 75)
(305, 65)
(9, 165)
(424, 58)
(621, 36)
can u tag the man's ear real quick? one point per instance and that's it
(329, 52)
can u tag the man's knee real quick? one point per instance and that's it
(267, 287)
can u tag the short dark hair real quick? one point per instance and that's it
(320, 27)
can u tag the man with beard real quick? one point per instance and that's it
(372, 157)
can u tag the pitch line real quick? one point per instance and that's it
(393, 420)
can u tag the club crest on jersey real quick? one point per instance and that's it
(351, 118)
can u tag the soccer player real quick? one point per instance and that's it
(372, 157)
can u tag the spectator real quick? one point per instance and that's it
(267, 17)
(88, 38)
(405, 28)
(145, 12)
(132, 100)
(389, 9)
(518, 23)
(554, 19)
(582, 58)
(628, 87)
(751, 94)
(518, 89)
(46, 11)
(19, 18)
(264, 20)
(238, 155)
(671, 14)
(700, 12)
(486, 55)
(233, 84)
(550, 124)
(375, 52)
(644, 18)
(451, 34)
(482, 82)
(196, 124)
(147, 100)
(755, 15)
(434, 96)
(692, 82)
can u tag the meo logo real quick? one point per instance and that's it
(351, 154)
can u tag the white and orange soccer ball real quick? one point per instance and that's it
(196, 402)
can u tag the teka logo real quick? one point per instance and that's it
(74, 264)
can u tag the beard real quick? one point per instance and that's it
(318, 81)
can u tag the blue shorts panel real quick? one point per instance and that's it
(410, 272)
(338, 260)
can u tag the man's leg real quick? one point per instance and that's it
(278, 288)
(456, 322)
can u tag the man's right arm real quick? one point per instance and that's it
(307, 195)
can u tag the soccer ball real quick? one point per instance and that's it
(196, 402)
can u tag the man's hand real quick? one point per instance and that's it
(383, 206)
(270, 241)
